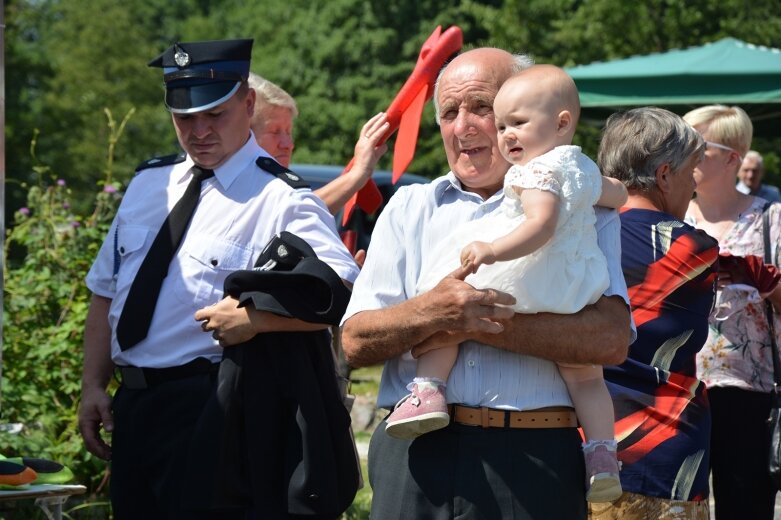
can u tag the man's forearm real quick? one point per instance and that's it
(98, 366)
(372, 337)
(336, 193)
(599, 334)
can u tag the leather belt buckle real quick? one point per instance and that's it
(133, 378)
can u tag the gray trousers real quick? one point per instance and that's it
(470, 472)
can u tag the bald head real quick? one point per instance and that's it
(493, 66)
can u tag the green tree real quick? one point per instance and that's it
(67, 60)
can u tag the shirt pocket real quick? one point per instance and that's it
(202, 267)
(129, 253)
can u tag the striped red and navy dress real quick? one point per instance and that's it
(662, 415)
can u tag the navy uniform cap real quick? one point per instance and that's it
(201, 75)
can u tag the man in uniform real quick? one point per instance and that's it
(184, 224)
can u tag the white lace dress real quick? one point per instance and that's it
(564, 275)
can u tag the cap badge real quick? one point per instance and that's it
(181, 57)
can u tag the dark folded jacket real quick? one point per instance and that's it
(276, 437)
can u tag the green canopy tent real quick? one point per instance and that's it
(727, 71)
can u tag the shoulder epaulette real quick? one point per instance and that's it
(277, 170)
(165, 160)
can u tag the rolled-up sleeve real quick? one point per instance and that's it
(609, 237)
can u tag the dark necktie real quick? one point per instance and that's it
(141, 300)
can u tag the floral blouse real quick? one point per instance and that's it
(737, 351)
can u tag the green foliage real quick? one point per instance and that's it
(47, 253)
(342, 60)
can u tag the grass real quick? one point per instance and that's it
(365, 382)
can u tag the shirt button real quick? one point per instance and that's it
(122, 250)
(471, 363)
(214, 262)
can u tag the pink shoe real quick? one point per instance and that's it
(420, 412)
(602, 482)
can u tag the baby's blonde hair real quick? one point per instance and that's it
(558, 83)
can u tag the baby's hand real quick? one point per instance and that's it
(477, 254)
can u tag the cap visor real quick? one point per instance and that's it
(197, 98)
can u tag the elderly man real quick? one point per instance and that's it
(272, 120)
(750, 178)
(499, 457)
(184, 224)
(272, 123)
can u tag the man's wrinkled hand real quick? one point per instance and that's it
(462, 308)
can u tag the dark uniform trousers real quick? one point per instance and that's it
(152, 432)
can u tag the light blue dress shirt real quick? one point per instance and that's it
(765, 191)
(415, 218)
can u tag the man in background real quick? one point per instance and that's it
(750, 178)
(272, 123)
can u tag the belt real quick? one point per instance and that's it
(139, 378)
(553, 417)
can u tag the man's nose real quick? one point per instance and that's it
(201, 127)
(286, 142)
(464, 123)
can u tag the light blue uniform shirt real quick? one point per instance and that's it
(408, 228)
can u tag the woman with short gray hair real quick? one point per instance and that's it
(637, 142)
(662, 414)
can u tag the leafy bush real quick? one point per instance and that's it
(47, 254)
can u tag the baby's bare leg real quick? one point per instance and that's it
(595, 412)
(591, 398)
(437, 363)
